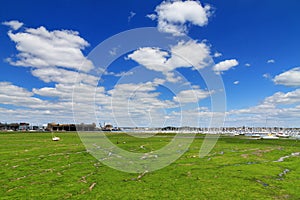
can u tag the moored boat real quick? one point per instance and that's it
(282, 134)
(270, 137)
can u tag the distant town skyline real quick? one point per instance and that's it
(252, 45)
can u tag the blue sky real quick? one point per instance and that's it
(252, 45)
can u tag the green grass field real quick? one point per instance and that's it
(34, 167)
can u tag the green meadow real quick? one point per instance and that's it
(35, 167)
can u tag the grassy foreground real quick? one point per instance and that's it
(34, 167)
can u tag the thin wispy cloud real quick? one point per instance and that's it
(14, 24)
(217, 54)
(131, 15)
(271, 61)
(267, 76)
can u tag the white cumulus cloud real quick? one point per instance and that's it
(191, 96)
(151, 58)
(192, 52)
(42, 48)
(288, 78)
(57, 75)
(225, 65)
(184, 54)
(175, 16)
(282, 98)
(136, 105)
(280, 106)
(11, 94)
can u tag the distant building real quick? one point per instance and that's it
(11, 126)
(60, 127)
(71, 127)
(24, 126)
(107, 127)
(14, 126)
(86, 127)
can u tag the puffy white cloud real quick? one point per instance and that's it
(14, 95)
(190, 53)
(175, 16)
(151, 58)
(53, 92)
(225, 65)
(159, 81)
(53, 56)
(50, 54)
(25, 101)
(172, 78)
(84, 95)
(288, 78)
(14, 24)
(272, 105)
(42, 48)
(236, 82)
(175, 30)
(136, 105)
(184, 54)
(191, 96)
(132, 89)
(27, 106)
(62, 91)
(280, 107)
(13, 90)
(20, 97)
(248, 65)
(58, 75)
(280, 98)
